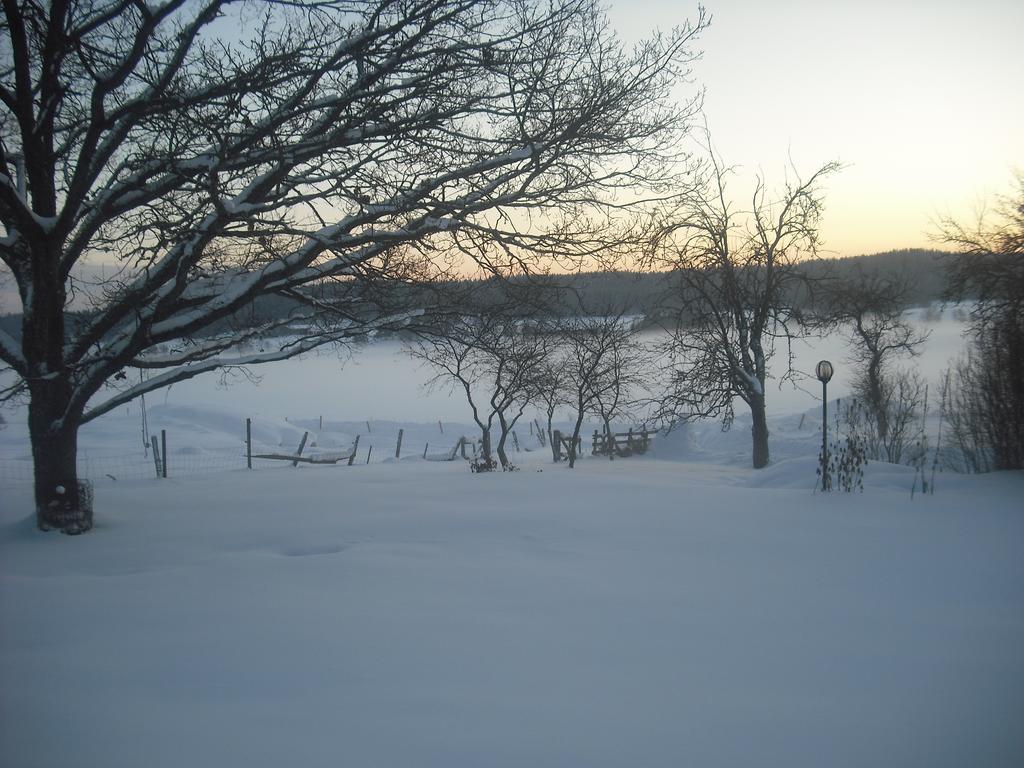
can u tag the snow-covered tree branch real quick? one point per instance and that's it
(219, 151)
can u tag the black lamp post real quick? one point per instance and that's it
(824, 372)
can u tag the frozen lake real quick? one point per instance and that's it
(380, 381)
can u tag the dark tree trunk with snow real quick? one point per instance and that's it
(52, 420)
(759, 431)
(59, 504)
(877, 398)
(575, 439)
(506, 428)
(485, 444)
(502, 456)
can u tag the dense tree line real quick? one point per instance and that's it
(638, 293)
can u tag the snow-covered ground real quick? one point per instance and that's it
(668, 610)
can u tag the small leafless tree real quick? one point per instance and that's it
(983, 398)
(350, 140)
(600, 362)
(497, 368)
(737, 278)
(617, 387)
(872, 308)
(988, 265)
(552, 391)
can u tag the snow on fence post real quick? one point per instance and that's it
(301, 446)
(398, 448)
(156, 455)
(163, 451)
(355, 447)
(248, 443)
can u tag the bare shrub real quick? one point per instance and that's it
(983, 399)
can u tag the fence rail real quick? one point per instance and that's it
(176, 456)
(94, 465)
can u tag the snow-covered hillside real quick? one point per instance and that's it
(673, 609)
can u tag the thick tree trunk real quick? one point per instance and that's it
(760, 431)
(485, 444)
(502, 457)
(878, 402)
(575, 441)
(62, 503)
(555, 450)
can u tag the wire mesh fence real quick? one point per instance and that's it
(365, 442)
(95, 465)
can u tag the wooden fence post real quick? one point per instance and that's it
(163, 451)
(248, 443)
(398, 448)
(558, 445)
(425, 450)
(369, 453)
(355, 447)
(515, 439)
(439, 426)
(540, 434)
(301, 446)
(156, 455)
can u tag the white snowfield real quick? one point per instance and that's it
(675, 609)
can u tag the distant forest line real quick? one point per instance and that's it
(588, 293)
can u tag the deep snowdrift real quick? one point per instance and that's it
(676, 609)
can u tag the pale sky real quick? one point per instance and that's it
(923, 102)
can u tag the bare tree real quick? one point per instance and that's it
(342, 139)
(597, 359)
(617, 386)
(737, 275)
(871, 307)
(989, 262)
(983, 396)
(498, 369)
(552, 392)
